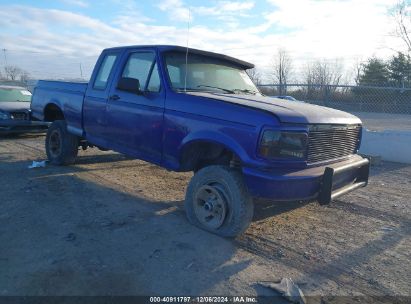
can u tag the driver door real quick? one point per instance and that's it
(135, 120)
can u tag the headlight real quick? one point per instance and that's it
(5, 115)
(283, 144)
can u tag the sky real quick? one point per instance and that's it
(63, 38)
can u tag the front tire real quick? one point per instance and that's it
(218, 201)
(61, 146)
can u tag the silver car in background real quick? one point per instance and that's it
(15, 111)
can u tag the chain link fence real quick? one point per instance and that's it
(378, 107)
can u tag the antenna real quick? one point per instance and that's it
(188, 36)
(81, 71)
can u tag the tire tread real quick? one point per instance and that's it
(70, 144)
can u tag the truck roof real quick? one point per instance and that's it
(177, 48)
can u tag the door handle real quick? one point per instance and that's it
(114, 97)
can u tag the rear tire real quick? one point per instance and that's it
(217, 200)
(61, 146)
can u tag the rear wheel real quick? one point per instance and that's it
(61, 146)
(218, 201)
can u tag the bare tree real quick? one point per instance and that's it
(282, 69)
(321, 72)
(322, 77)
(255, 76)
(12, 72)
(24, 77)
(357, 70)
(402, 18)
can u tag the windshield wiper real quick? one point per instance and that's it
(228, 91)
(212, 87)
(247, 91)
(187, 89)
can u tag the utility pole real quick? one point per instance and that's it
(5, 57)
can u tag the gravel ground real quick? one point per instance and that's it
(110, 225)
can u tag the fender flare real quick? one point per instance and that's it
(55, 103)
(214, 137)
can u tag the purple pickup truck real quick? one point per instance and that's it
(192, 110)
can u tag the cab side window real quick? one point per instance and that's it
(100, 83)
(143, 66)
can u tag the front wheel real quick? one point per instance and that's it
(61, 146)
(218, 201)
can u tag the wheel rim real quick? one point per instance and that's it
(210, 205)
(55, 143)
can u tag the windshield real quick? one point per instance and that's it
(14, 94)
(207, 74)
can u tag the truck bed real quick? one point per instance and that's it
(67, 96)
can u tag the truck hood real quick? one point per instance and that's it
(14, 106)
(286, 111)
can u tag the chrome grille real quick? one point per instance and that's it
(327, 142)
(19, 115)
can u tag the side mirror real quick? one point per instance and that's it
(131, 85)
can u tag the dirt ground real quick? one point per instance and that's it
(110, 225)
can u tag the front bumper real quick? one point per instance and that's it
(22, 126)
(323, 183)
